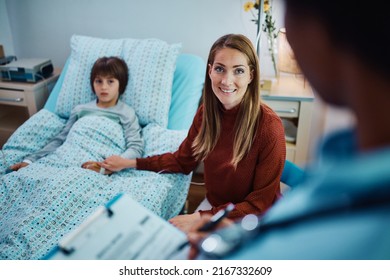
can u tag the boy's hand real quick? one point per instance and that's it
(19, 165)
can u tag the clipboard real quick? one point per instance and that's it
(123, 229)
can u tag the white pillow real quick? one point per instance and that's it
(159, 140)
(151, 65)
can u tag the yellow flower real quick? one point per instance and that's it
(248, 6)
(266, 6)
(268, 26)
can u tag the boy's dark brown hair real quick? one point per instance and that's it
(111, 67)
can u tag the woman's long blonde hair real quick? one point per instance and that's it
(248, 114)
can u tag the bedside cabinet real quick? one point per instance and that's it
(292, 99)
(19, 101)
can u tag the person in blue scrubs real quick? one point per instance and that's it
(341, 208)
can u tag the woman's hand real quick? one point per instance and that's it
(18, 165)
(94, 166)
(117, 163)
(185, 222)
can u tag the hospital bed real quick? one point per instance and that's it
(43, 202)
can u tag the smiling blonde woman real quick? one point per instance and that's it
(239, 139)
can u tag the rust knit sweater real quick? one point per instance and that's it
(254, 186)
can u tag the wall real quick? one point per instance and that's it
(42, 28)
(5, 30)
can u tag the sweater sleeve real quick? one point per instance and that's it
(181, 161)
(57, 141)
(134, 140)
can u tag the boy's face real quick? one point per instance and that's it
(106, 90)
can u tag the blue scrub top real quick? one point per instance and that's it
(357, 185)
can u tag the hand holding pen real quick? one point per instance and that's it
(211, 224)
(217, 218)
(195, 237)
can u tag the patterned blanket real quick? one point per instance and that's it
(41, 203)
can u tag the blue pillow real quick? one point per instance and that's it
(187, 89)
(51, 102)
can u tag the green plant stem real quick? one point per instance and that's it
(271, 48)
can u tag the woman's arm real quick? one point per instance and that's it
(57, 141)
(181, 161)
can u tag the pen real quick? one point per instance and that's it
(214, 221)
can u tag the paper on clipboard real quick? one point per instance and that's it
(123, 229)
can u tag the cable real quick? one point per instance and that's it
(197, 183)
(4, 159)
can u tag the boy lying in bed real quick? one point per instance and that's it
(109, 77)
